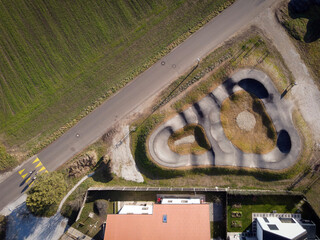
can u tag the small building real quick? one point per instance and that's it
(163, 221)
(280, 229)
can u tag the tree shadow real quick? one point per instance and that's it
(103, 173)
(254, 87)
(310, 11)
(284, 141)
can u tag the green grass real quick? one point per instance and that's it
(258, 204)
(6, 160)
(58, 58)
(305, 31)
(85, 223)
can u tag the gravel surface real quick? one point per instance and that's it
(305, 94)
(246, 121)
(122, 162)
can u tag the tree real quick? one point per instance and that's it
(46, 194)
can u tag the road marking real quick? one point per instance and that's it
(39, 164)
(21, 171)
(28, 180)
(31, 184)
(43, 168)
(23, 176)
(36, 160)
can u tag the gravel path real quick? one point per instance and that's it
(122, 162)
(305, 94)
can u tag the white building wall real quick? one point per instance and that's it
(259, 231)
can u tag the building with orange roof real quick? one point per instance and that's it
(164, 221)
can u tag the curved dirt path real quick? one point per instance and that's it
(207, 113)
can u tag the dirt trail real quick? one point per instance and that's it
(305, 94)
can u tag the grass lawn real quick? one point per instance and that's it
(262, 137)
(199, 146)
(91, 225)
(305, 32)
(7, 161)
(259, 204)
(60, 60)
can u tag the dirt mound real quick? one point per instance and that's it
(83, 165)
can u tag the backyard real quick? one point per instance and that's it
(240, 208)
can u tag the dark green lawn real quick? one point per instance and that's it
(258, 204)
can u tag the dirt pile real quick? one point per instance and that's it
(83, 165)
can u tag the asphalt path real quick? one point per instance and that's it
(173, 65)
(206, 113)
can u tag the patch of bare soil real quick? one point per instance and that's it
(122, 162)
(246, 123)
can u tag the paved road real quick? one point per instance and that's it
(92, 127)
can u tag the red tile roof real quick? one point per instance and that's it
(189, 221)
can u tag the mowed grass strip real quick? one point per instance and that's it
(260, 139)
(198, 146)
(57, 57)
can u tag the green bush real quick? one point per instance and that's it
(45, 195)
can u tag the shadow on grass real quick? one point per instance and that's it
(309, 11)
(103, 173)
(257, 106)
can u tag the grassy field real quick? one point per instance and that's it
(305, 32)
(6, 160)
(246, 205)
(199, 146)
(58, 58)
(262, 137)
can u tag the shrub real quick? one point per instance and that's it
(44, 197)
